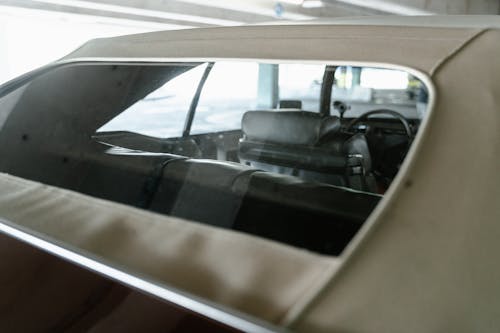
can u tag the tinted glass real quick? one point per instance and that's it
(365, 88)
(302, 83)
(122, 132)
(230, 91)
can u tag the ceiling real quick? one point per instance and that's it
(171, 14)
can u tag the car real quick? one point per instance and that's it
(310, 177)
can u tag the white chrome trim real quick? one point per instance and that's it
(89, 261)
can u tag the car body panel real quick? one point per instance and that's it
(256, 276)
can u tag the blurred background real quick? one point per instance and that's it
(36, 32)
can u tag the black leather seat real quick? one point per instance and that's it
(201, 190)
(307, 145)
(319, 217)
(288, 209)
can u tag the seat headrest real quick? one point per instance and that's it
(290, 104)
(287, 127)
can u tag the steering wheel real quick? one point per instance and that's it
(395, 114)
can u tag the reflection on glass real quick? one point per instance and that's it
(119, 132)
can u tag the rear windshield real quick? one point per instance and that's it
(296, 153)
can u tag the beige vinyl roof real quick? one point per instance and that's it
(425, 261)
(416, 46)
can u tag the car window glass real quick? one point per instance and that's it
(230, 91)
(116, 131)
(232, 88)
(161, 113)
(302, 83)
(361, 88)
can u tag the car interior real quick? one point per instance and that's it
(304, 176)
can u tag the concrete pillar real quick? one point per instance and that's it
(268, 89)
